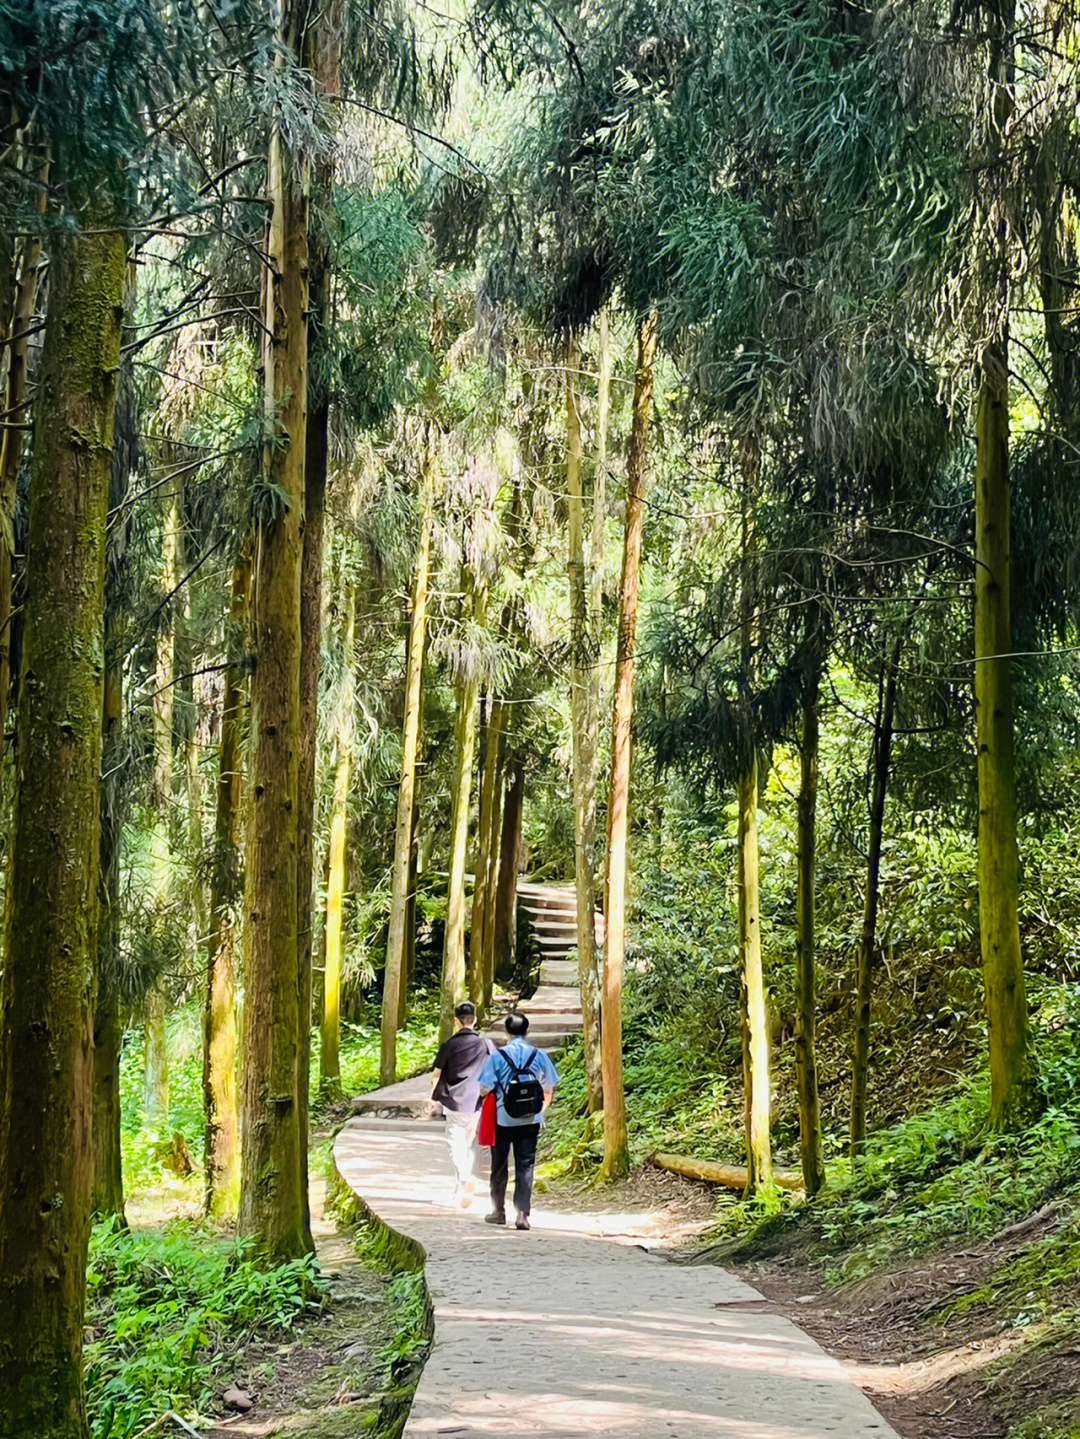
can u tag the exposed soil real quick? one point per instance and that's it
(968, 1375)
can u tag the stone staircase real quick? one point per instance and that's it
(554, 1010)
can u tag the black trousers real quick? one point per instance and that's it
(522, 1139)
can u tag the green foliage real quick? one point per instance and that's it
(166, 1312)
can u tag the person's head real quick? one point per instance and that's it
(465, 1014)
(517, 1025)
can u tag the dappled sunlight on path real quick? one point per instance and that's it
(562, 1332)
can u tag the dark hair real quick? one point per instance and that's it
(517, 1024)
(465, 1010)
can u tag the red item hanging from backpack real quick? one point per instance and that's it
(485, 1132)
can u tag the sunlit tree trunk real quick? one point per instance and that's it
(616, 1149)
(813, 1162)
(273, 1195)
(864, 973)
(400, 890)
(509, 869)
(222, 1151)
(329, 1055)
(156, 1052)
(584, 660)
(759, 1166)
(453, 970)
(50, 955)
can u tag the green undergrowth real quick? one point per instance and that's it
(167, 1312)
(1059, 1421)
(146, 1146)
(940, 1175)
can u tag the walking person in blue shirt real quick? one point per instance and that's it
(524, 1081)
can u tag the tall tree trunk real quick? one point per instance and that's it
(46, 1041)
(273, 1195)
(759, 1166)
(400, 889)
(156, 1052)
(494, 858)
(509, 869)
(329, 1056)
(322, 58)
(882, 754)
(584, 661)
(408, 963)
(453, 970)
(222, 1151)
(1013, 1073)
(616, 1149)
(16, 410)
(813, 1161)
(483, 893)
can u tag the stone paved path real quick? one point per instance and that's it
(569, 1330)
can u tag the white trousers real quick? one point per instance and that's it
(461, 1137)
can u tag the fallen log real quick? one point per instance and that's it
(732, 1176)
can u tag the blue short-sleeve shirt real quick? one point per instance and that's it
(496, 1074)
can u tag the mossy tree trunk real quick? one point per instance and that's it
(329, 1053)
(400, 889)
(222, 1143)
(46, 1042)
(1013, 1073)
(584, 662)
(864, 969)
(616, 1148)
(806, 1075)
(273, 1194)
(483, 897)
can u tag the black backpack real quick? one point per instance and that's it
(523, 1095)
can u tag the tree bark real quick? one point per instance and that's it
(400, 889)
(810, 1148)
(1014, 1084)
(509, 869)
(329, 1056)
(408, 963)
(222, 1144)
(483, 895)
(616, 1148)
(108, 1192)
(46, 1041)
(882, 753)
(453, 969)
(584, 662)
(731, 1176)
(755, 1005)
(273, 1196)
(494, 857)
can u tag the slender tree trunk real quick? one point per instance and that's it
(759, 1166)
(882, 754)
(1013, 1073)
(509, 869)
(273, 1194)
(453, 971)
(409, 958)
(400, 889)
(616, 1148)
(16, 410)
(156, 1051)
(488, 838)
(813, 1161)
(222, 1153)
(493, 854)
(329, 1057)
(584, 660)
(46, 1041)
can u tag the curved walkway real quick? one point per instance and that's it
(565, 1331)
